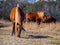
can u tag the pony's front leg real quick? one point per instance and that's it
(18, 29)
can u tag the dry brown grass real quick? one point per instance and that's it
(43, 26)
(43, 34)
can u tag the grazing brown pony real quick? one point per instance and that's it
(36, 16)
(16, 16)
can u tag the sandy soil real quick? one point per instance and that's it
(43, 34)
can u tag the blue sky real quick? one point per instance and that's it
(33, 1)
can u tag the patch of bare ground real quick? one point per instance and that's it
(43, 34)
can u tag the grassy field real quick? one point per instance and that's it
(43, 34)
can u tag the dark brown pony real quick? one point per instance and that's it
(16, 16)
(50, 19)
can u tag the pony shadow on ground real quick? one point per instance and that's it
(32, 36)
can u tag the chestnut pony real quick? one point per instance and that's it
(16, 17)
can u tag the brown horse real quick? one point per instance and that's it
(16, 16)
(36, 16)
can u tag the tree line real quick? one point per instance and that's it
(52, 8)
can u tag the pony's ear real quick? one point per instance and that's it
(17, 4)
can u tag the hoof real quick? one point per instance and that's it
(18, 36)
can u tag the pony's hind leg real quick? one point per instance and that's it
(16, 29)
(13, 29)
